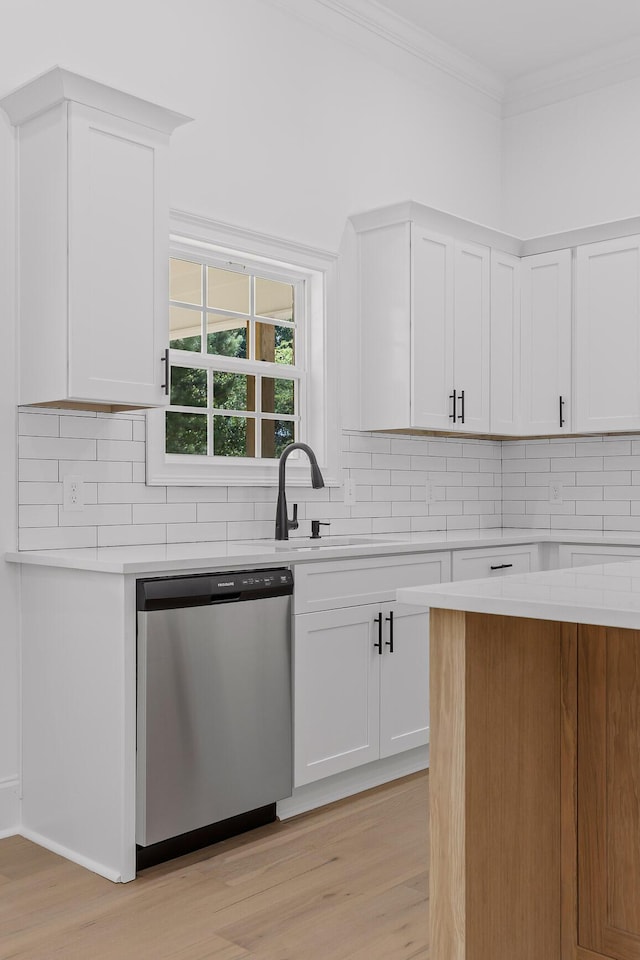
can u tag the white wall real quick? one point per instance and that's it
(294, 130)
(573, 163)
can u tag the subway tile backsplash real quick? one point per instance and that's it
(108, 452)
(599, 477)
(473, 484)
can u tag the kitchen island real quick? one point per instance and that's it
(535, 765)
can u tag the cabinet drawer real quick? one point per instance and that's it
(346, 583)
(494, 562)
(570, 555)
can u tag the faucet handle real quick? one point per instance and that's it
(293, 524)
(315, 528)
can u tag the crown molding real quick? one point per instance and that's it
(374, 29)
(571, 78)
(59, 85)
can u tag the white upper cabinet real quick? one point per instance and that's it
(424, 330)
(505, 343)
(466, 330)
(94, 235)
(607, 336)
(545, 344)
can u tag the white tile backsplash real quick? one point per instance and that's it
(474, 484)
(108, 452)
(599, 489)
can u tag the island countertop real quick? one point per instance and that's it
(604, 595)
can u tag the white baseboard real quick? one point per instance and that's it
(346, 784)
(9, 808)
(58, 848)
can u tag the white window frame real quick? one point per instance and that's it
(313, 271)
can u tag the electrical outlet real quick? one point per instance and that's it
(555, 492)
(72, 494)
(350, 493)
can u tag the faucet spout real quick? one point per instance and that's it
(283, 524)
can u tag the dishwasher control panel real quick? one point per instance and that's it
(163, 593)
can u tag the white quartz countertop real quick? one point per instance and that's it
(226, 555)
(605, 594)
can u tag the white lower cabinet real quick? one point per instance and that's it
(360, 662)
(361, 687)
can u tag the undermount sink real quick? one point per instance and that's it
(307, 543)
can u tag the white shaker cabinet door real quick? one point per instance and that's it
(607, 330)
(118, 264)
(336, 691)
(404, 679)
(432, 265)
(471, 344)
(546, 344)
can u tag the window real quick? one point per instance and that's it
(248, 366)
(237, 381)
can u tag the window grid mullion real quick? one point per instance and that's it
(210, 414)
(203, 320)
(259, 416)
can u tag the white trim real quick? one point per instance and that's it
(350, 782)
(59, 85)
(571, 78)
(217, 234)
(368, 25)
(450, 225)
(69, 854)
(418, 42)
(376, 31)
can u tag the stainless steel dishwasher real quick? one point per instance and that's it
(214, 746)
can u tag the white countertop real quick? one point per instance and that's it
(606, 594)
(159, 558)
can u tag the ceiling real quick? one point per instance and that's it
(513, 38)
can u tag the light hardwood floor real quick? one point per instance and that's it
(347, 882)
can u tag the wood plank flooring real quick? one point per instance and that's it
(346, 882)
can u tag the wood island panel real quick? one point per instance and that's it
(502, 787)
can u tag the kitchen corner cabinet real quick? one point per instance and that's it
(424, 324)
(93, 256)
(545, 344)
(607, 336)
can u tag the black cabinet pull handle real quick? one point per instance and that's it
(452, 416)
(378, 646)
(389, 620)
(501, 566)
(461, 398)
(562, 420)
(166, 386)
